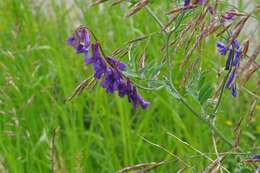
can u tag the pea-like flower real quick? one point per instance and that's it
(134, 98)
(98, 62)
(80, 40)
(221, 48)
(112, 80)
(230, 84)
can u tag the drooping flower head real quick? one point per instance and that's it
(108, 70)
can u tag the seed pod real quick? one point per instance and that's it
(237, 32)
(251, 59)
(137, 7)
(245, 45)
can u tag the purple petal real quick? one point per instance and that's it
(234, 92)
(201, 2)
(230, 79)
(236, 60)
(117, 63)
(71, 41)
(236, 44)
(221, 48)
(88, 60)
(80, 40)
(143, 103)
(230, 56)
(95, 50)
(81, 49)
(186, 2)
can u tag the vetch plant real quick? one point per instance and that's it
(191, 23)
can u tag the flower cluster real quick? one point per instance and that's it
(107, 69)
(232, 62)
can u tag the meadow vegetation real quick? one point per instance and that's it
(97, 132)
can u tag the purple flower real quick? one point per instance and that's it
(122, 89)
(230, 57)
(186, 3)
(234, 51)
(112, 80)
(230, 84)
(236, 44)
(231, 79)
(236, 61)
(142, 102)
(98, 62)
(234, 90)
(80, 40)
(230, 15)
(119, 65)
(221, 48)
(233, 62)
(201, 2)
(106, 68)
(134, 98)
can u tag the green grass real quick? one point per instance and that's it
(97, 132)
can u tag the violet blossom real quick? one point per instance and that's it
(233, 62)
(80, 40)
(107, 69)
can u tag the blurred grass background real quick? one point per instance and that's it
(97, 132)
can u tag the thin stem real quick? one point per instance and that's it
(167, 151)
(251, 93)
(223, 87)
(96, 39)
(167, 47)
(157, 20)
(168, 57)
(203, 119)
(206, 121)
(195, 149)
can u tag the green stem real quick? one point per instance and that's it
(157, 20)
(206, 121)
(168, 57)
(201, 118)
(223, 87)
